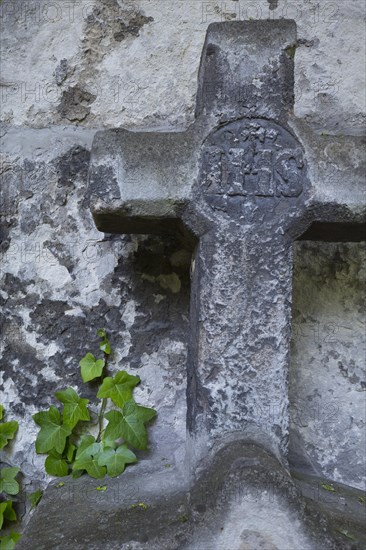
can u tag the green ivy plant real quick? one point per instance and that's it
(9, 486)
(67, 436)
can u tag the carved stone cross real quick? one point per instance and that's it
(237, 180)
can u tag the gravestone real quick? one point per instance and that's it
(236, 184)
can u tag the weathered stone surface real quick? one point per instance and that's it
(241, 188)
(343, 507)
(75, 104)
(242, 499)
(247, 70)
(115, 51)
(232, 187)
(61, 279)
(327, 376)
(143, 176)
(336, 169)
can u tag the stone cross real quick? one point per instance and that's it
(237, 181)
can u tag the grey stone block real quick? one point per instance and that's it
(242, 499)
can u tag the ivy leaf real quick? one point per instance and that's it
(35, 498)
(116, 460)
(1, 411)
(87, 457)
(90, 461)
(70, 452)
(104, 345)
(56, 465)
(119, 388)
(7, 512)
(75, 407)
(129, 424)
(90, 367)
(7, 431)
(145, 413)
(85, 442)
(52, 434)
(9, 541)
(8, 483)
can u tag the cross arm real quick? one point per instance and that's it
(337, 167)
(140, 181)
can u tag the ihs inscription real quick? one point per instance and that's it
(252, 158)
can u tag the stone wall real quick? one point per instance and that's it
(327, 375)
(87, 65)
(109, 63)
(62, 279)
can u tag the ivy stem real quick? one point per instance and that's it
(100, 418)
(103, 404)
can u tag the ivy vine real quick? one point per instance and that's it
(68, 437)
(9, 486)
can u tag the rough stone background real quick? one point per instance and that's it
(70, 68)
(327, 376)
(62, 279)
(109, 63)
